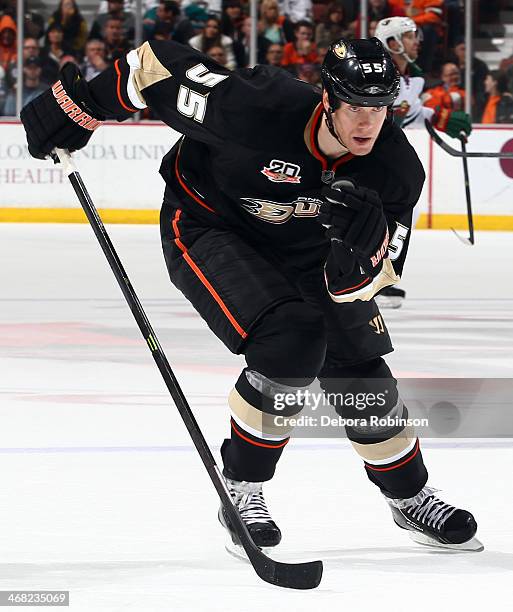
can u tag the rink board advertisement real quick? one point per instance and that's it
(120, 167)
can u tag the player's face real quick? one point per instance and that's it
(358, 127)
(411, 44)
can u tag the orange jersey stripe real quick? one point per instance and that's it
(246, 439)
(186, 189)
(343, 160)
(313, 144)
(315, 149)
(202, 277)
(118, 89)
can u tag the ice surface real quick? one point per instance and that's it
(103, 494)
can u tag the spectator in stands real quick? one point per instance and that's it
(273, 26)
(428, 15)
(7, 41)
(68, 57)
(262, 43)
(116, 45)
(95, 60)
(212, 7)
(296, 10)
(333, 26)
(303, 50)
(163, 31)
(197, 16)
(167, 13)
(479, 72)
(32, 85)
(499, 106)
(322, 49)
(30, 48)
(33, 23)
(309, 73)
(371, 29)
(449, 95)
(218, 54)
(74, 26)
(212, 37)
(4, 89)
(52, 52)
(115, 11)
(376, 11)
(231, 19)
(274, 55)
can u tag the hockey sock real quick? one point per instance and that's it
(257, 437)
(395, 465)
(284, 353)
(390, 451)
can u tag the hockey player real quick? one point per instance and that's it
(261, 156)
(400, 36)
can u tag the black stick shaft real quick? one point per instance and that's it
(300, 575)
(470, 216)
(455, 153)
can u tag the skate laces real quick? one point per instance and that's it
(249, 499)
(426, 507)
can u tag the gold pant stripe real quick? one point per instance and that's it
(255, 421)
(389, 450)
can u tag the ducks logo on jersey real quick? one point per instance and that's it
(278, 212)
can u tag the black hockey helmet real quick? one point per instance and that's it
(359, 72)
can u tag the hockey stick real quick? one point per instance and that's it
(292, 575)
(465, 154)
(470, 240)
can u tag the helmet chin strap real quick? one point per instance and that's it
(401, 50)
(331, 126)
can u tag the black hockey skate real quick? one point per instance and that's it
(390, 297)
(432, 522)
(249, 500)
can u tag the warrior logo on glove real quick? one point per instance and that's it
(73, 110)
(382, 252)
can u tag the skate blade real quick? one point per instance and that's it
(472, 545)
(387, 302)
(237, 551)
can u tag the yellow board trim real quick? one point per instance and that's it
(501, 223)
(498, 223)
(76, 215)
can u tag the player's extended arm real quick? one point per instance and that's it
(359, 264)
(66, 115)
(186, 89)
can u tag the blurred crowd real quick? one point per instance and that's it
(293, 34)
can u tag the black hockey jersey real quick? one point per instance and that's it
(250, 158)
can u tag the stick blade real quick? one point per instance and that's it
(289, 575)
(468, 241)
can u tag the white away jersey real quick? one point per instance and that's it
(408, 108)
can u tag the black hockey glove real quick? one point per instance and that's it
(64, 116)
(355, 221)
